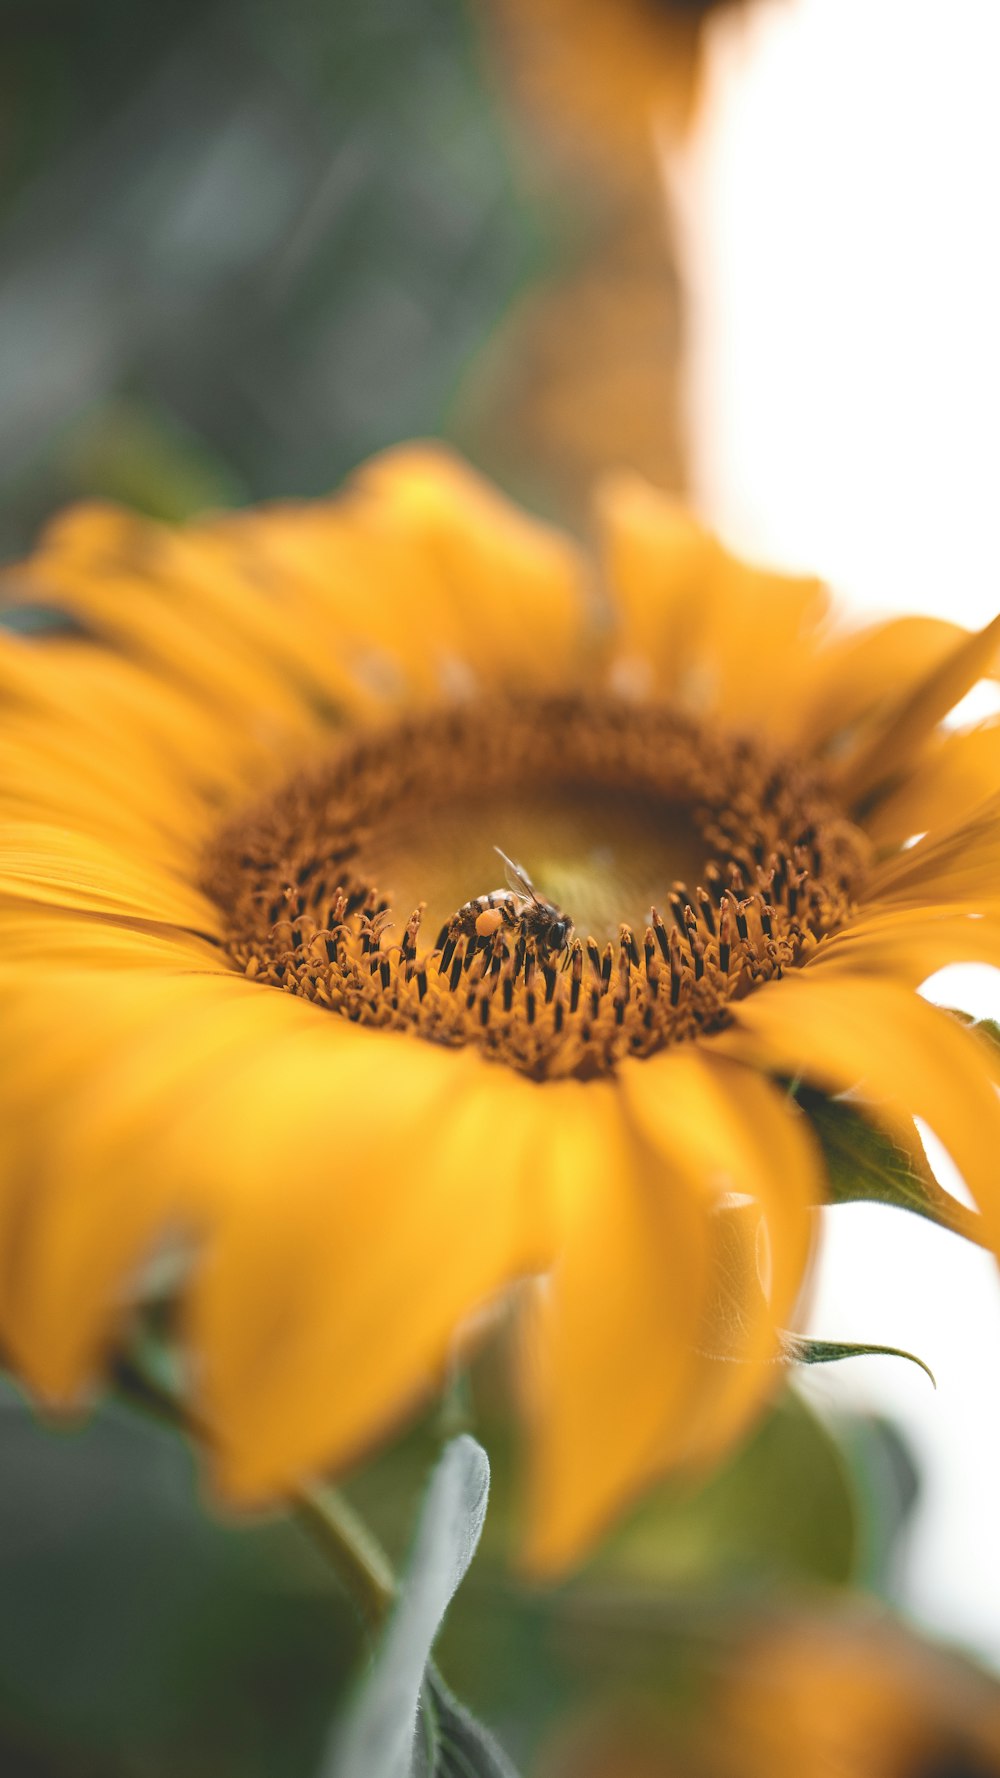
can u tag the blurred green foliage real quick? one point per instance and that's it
(139, 1637)
(241, 246)
(142, 1634)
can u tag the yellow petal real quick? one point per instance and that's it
(489, 576)
(946, 785)
(99, 1060)
(960, 864)
(908, 1058)
(837, 699)
(718, 1121)
(51, 865)
(403, 1182)
(715, 631)
(896, 742)
(40, 945)
(115, 583)
(53, 775)
(910, 944)
(764, 628)
(94, 699)
(611, 1339)
(661, 566)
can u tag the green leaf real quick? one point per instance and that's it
(462, 1748)
(802, 1351)
(864, 1165)
(403, 1722)
(321, 297)
(887, 1481)
(33, 619)
(782, 1510)
(141, 454)
(132, 1620)
(987, 1029)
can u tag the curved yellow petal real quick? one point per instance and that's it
(329, 1301)
(350, 605)
(217, 572)
(40, 945)
(724, 1124)
(611, 1348)
(959, 864)
(661, 567)
(115, 574)
(836, 700)
(908, 1058)
(41, 780)
(711, 630)
(94, 700)
(488, 576)
(910, 944)
(54, 866)
(945, 786)
(765, 628)
(86, 1192)
(896, 742)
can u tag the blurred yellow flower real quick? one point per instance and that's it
(586, 368)
(845, 1694)
(853, 1695)
(266, 993)
(608, 71)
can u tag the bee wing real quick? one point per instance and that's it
(518, 880)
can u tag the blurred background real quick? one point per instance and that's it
(745, 248)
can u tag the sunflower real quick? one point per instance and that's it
(270, 1006)
(587, 368)
(845, 1693)
(605, 73)
(853, 1694)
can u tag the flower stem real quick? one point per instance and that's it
(337, 1530)
(349, 1546)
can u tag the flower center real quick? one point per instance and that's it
(562, 881)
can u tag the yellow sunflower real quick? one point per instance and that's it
(268, 998)
(587, 366)
(851, 1694)
(606, 72)
(839, 1694)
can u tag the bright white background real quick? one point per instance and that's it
(840, 205)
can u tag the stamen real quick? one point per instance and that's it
(607, 967)
(725, 937)
(576, 978)
(677, 908)
(675, 969)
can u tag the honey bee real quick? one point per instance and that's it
(519, 907)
